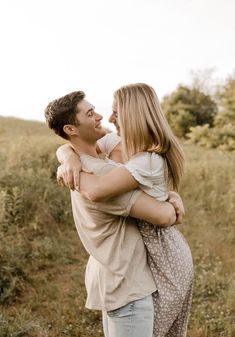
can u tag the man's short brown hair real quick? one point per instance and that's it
(62, 111)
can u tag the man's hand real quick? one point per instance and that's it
(177, 202)
(68, 174)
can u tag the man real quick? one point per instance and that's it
(118, 279)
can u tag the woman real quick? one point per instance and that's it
(154, 162)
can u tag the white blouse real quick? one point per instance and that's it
(149, 170)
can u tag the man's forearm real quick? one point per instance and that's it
(156, 212)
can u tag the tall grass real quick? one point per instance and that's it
(42, 261)
(209, 194)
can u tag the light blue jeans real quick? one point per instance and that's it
(132, 320)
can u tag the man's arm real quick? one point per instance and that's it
(141, 206)
(156, 212)
(96, 189)
(145, 207)
(116, 182)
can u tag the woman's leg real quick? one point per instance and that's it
(179, 327)
(132, 320)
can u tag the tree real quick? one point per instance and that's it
(222, 135)
(186, 108)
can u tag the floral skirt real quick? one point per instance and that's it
(170, 261)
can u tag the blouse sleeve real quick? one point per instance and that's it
(146, 169)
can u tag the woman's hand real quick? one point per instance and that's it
(68, 173)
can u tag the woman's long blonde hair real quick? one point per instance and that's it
(144, 127)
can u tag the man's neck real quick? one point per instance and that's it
(84, 148)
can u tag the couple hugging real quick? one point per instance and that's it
(140, 270)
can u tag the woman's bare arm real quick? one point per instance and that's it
(99, 188)
(65, 152)
(69, 170)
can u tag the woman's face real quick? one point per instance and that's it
(114, 118)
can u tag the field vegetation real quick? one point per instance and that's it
(42, 261)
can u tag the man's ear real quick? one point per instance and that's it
(70, 130)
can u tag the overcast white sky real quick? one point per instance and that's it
(52, 47)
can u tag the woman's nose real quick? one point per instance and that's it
(112, 119)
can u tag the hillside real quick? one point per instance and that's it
(18, 126)
(42, 261)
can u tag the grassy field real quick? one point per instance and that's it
(42, 262)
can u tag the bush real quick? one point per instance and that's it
(222, 138)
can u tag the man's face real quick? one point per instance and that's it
(89, 128)
(114, 118)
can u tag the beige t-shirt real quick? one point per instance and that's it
(117, 271)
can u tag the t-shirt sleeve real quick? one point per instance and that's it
(108, 143)
(119, 205)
